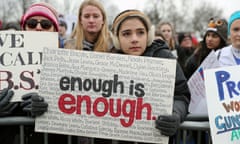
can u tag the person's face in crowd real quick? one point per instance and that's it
(39, 23)
(62, 30)
(91, 19)
(186, 43)
(235, 33)
(212, 40)
(133, 37)
(166, 31)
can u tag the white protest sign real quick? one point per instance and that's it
(105, 95)
(223, 99)
(198, 103)
(20, 59)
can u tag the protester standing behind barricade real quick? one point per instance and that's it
(91, 32)
(133, 35)
(215, 38)
(230, 55)
(168, 32)
(12, 26)
(62, 32)
(185, 48)
(38, 17)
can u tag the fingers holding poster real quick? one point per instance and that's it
(223, 103)
(105, 95)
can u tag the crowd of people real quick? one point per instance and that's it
(131, 34)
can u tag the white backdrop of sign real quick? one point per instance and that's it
(223, 99)
(198, 103)
(105, 95)
(20, 59)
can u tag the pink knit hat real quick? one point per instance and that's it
(41, 9)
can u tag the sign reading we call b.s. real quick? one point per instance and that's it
(21, 58)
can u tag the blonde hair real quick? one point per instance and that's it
(171, 42)
(101, 45)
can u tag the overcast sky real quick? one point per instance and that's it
(228, 6)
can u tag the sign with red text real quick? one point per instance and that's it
(105, 95)
(223, 99)
(20, 59)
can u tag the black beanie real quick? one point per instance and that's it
(183, 35)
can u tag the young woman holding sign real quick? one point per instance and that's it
(133, 34)
(38, 17)
(91, 33)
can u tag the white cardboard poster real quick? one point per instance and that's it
(198, 103)
(105, 95)
(20, 59)
(223, 99)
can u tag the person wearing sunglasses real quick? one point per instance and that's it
(38, 17)
(215, 38)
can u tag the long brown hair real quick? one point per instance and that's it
(102, 42)
(172, 42)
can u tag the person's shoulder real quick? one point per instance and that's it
(159, 49)
(224, 49)
(70, 43)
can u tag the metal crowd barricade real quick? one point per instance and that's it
(21, 121)
(193, 122)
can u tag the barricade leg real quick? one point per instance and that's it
(69, 139)
(45, 135)
(21, 134)
(114, 142)
(199, 137)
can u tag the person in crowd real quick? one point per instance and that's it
(0, 25)
(38, 17)
(194, 41)
(132, 28)
(15, 26)
(159, 35)
(185, 48)
(215, 38)
(91, 32)
(168, 32)
(62, 32)
(230, 55)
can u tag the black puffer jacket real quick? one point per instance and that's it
(181, 92)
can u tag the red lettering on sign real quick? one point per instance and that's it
(130, 109)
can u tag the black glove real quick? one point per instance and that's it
(168, 124)
(34, 104)
(6, 107)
